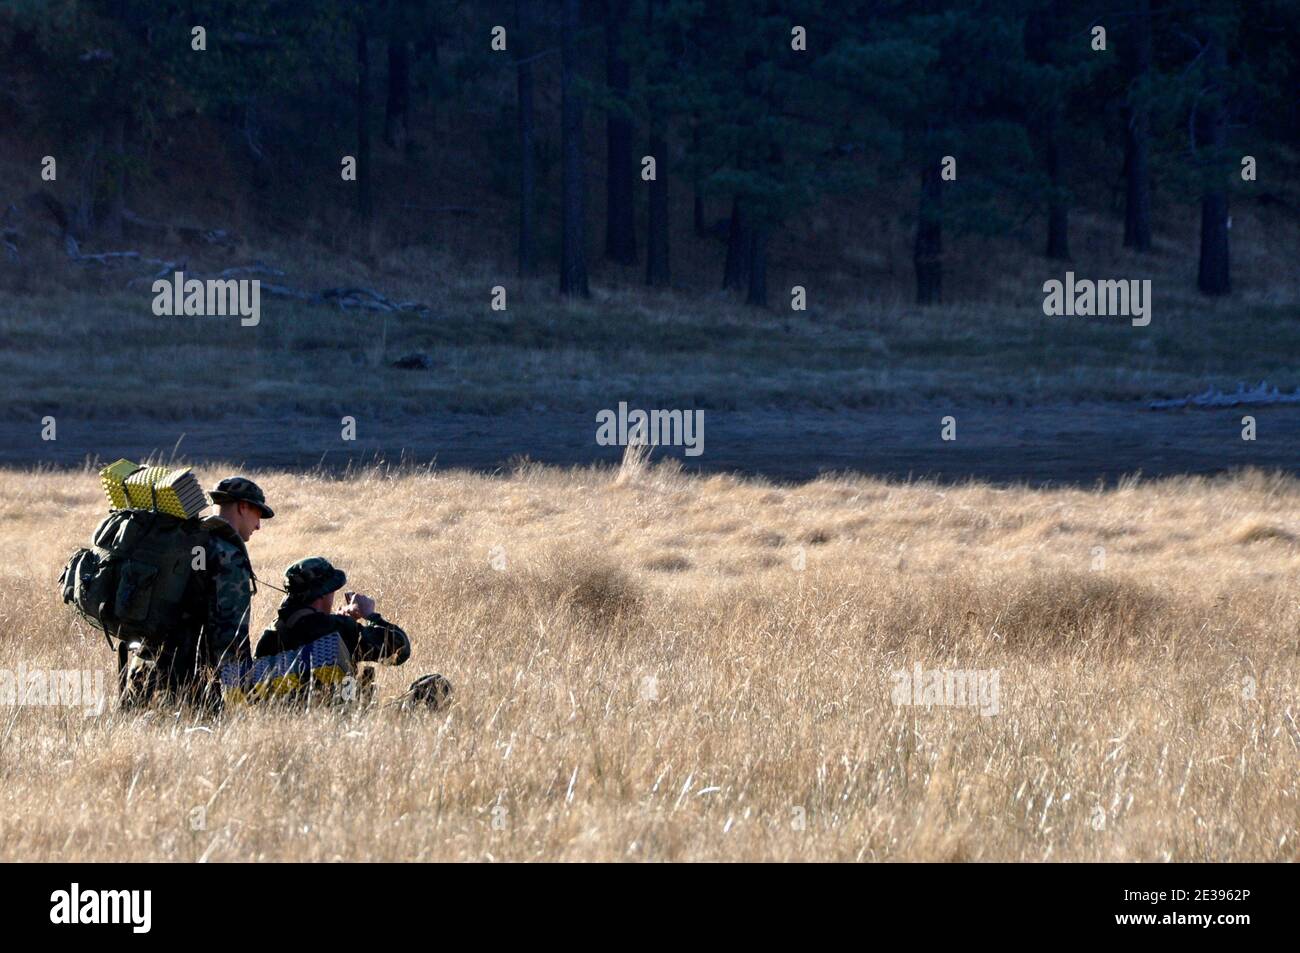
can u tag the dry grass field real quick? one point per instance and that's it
(644, 672)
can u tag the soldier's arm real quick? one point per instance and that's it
(378, 640)
(229, 596)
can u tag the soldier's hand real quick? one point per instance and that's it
(359, 606)
(347, 608)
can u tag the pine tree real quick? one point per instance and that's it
(1135, 48)
(573, 255)
(397, 106)
(525, 24)
(931, 82)
(1047, 34)
(620, 180)
(762, 142)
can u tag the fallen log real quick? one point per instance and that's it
(1261, 394)
(367, 299)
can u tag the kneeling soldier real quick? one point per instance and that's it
(307, 614)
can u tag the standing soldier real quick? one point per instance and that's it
(183, 668)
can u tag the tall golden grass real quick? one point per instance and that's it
(652, 666)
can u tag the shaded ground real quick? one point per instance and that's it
(1075, 444)
(105, 353)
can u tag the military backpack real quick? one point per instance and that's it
(141, 579)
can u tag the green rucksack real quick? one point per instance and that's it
(137, 581)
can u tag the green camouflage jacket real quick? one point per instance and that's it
(229, 597)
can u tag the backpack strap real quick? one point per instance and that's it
(220, 528)
(216, 526)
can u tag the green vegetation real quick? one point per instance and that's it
(108, 355)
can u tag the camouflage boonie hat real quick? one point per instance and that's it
(311, 578)
(237, 489)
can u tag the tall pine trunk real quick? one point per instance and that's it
(735, 272)
(364, 200)
(656, 264)
(1042, 39)
(426, 45)
(657, 272)
(1058, 204)
(115, 210)
(740, 246)
(757, 293)
(398, 105)
(701, 227)
(927, 253)
(573, 253)
(1137, 134)
(83, 211)
(527, 149)
(1213, 275)
(1137, 181)
(620, 211)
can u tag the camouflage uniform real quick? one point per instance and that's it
(181, 669)
(229, 592)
